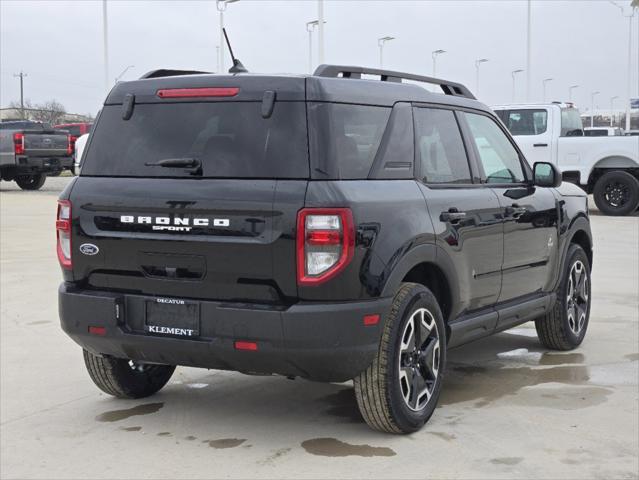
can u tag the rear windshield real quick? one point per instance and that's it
(230, 139)
(571, 125)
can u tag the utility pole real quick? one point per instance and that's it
(21, 75)
(105, 29)
(320, 31)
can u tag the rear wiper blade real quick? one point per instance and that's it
(176, 163)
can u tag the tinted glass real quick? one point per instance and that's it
(498, 157)
(440, 147)
(345, 138)
(231, 139)
(571, 125)
(526, 122)
(72, 129)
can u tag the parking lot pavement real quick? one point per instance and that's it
(508, 409)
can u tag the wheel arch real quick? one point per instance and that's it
(612, 162)
(430, 266)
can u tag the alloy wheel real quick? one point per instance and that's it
(419, 359)
(577, 297)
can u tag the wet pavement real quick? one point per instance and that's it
(508, 409)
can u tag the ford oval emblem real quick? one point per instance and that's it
(89, 249)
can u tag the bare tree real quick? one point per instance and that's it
(50, 112)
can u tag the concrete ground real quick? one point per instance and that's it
(509, 409)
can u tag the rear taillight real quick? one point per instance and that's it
(70, 144)
(18, 143)
(325, 243)
(63, 232)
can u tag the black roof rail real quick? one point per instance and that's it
(167, 72)
(449, 88)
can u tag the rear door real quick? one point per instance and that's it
(532, 130)
(530, 213)
(466, 216)
(224, 230)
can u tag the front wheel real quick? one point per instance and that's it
(564, 326)
(30, 182)
(399, 391)
(126, 378)
(616, 193)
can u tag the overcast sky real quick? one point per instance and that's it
(59, 44)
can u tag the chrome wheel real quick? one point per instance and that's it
(577, 297)
(419, 359)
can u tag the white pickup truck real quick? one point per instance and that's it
(607, 167)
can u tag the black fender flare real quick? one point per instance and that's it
(578, 224)
(425, 253)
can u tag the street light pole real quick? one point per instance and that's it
(545, 80)
(528, 44)
(477, 64)
(634, 5)
(320, 31)
(570, 89)
(381, 41)
(513, 73)
(310, 26)
(105, 44)
(221, 7)
(592, 108)
(612, 108)
(435, 53)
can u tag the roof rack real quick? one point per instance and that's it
(166, 72)
(449, 88)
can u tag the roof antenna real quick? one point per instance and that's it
(237, 65)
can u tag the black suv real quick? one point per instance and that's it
(330, 227)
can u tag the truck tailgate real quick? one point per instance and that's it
(39, 143)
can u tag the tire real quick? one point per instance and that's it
(616, 193)
(126, 379)
(384, 397)
(56, 173)
(564, 326)
(30, 182)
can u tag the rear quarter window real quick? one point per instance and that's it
(344, 139)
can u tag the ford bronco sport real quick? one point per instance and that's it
(342, 225)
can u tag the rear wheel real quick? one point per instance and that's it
(398, 392)
(564, 327)
(126, 378)
(30, 182)
(616, 193)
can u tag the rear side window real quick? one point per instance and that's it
(525, 122)
(440, 147)
(231, 139)
(571, 125)
(344, 138)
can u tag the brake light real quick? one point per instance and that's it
(198, 92)
(325, 243)
(70, 144)
(18, 143)
(63, 233)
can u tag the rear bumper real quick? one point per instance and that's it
(319, 341)
(31, 164)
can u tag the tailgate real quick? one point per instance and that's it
(205, 239)
(45, 144)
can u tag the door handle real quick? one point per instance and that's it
(540, 145)
(452, 215)
(515, 211)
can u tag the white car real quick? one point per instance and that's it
(80, 143)
(607, 167)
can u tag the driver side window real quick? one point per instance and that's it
(497, 155)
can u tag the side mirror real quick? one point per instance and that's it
(546, 175)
